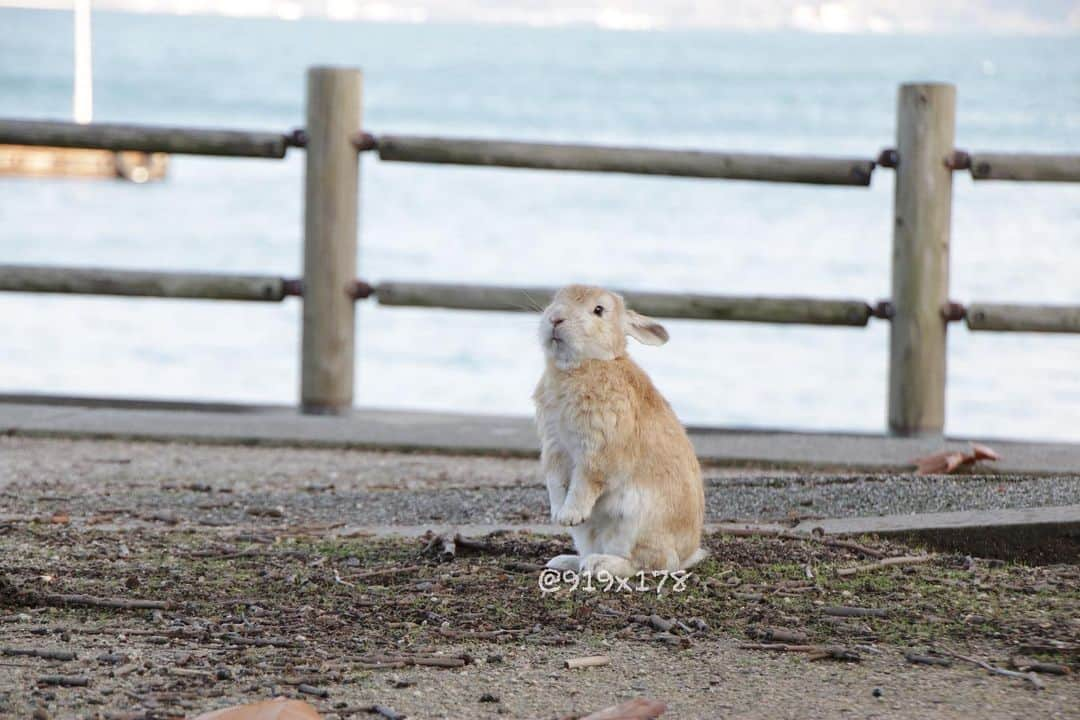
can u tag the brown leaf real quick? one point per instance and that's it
(945, 461)
(636, 709)
(276, 709)
(948, 461)
(60, 517)
(982, 452)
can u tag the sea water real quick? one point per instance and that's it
(764, 92)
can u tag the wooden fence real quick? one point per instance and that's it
(919, 309)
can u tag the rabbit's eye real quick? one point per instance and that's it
(598, 311)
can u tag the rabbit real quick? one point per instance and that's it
(621, 473)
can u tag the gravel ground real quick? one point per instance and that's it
(217, 485)
(252, 562)
(710, 680)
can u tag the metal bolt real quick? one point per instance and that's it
(888, 158)
(884, 310)
(953, 311)
(958, 160)
(365, 141)
(360, 290)
(297, 138)
(293, 287)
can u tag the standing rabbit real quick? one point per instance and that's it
(620, 470)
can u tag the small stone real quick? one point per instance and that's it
(877, 692)
(494, 659)
(489, 698)
(223, 673)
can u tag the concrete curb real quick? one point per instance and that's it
(1046, 534)
(475, 434)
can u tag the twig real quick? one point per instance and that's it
(386, 712)
(1029, 665)
(312, 690)
(189, 672)
(833, 652)
(814, 652)
(917, 659)
(884, 563)
(90, 601)
(778, 635)
(64, 680)
(660, 623)
(33, 652)
(584, 662)
(475, 545)
(257, 642)
(479, 635)
(439, 661)
(853, 612)
(1029, 676)
(788, 534)
(852, 545)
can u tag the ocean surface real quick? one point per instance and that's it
(802, 93)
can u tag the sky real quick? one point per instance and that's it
(838, 16)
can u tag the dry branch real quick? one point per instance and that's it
(64, 680)
(1025, 664)
(91, 601)
(778, 635)
(584, 662)
(884, 563)
(853, 611)
(44, 654)
(995, 670)
(814, 652)
(917, 659)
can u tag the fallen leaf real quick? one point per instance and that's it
(636, 709)
(939, 463)
(948, 461)
(276, 709)
(982, 452)
(60, 517)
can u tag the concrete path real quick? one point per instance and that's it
(446, 432)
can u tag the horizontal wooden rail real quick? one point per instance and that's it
(1023, 318)
(1025, 167)
(95, 281)
(785, 310)
(642, 161)
(183, 141)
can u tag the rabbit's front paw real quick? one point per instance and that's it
(571, 515)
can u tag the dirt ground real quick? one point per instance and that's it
(228, 587)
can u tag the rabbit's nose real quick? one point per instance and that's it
(556, 321)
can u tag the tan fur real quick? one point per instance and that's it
(603, 422)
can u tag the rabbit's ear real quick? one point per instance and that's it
(644, 329)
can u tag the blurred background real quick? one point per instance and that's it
(777, 75)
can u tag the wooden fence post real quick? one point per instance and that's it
(331, 200)
(925, 129)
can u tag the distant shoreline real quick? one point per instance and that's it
(829, 18)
